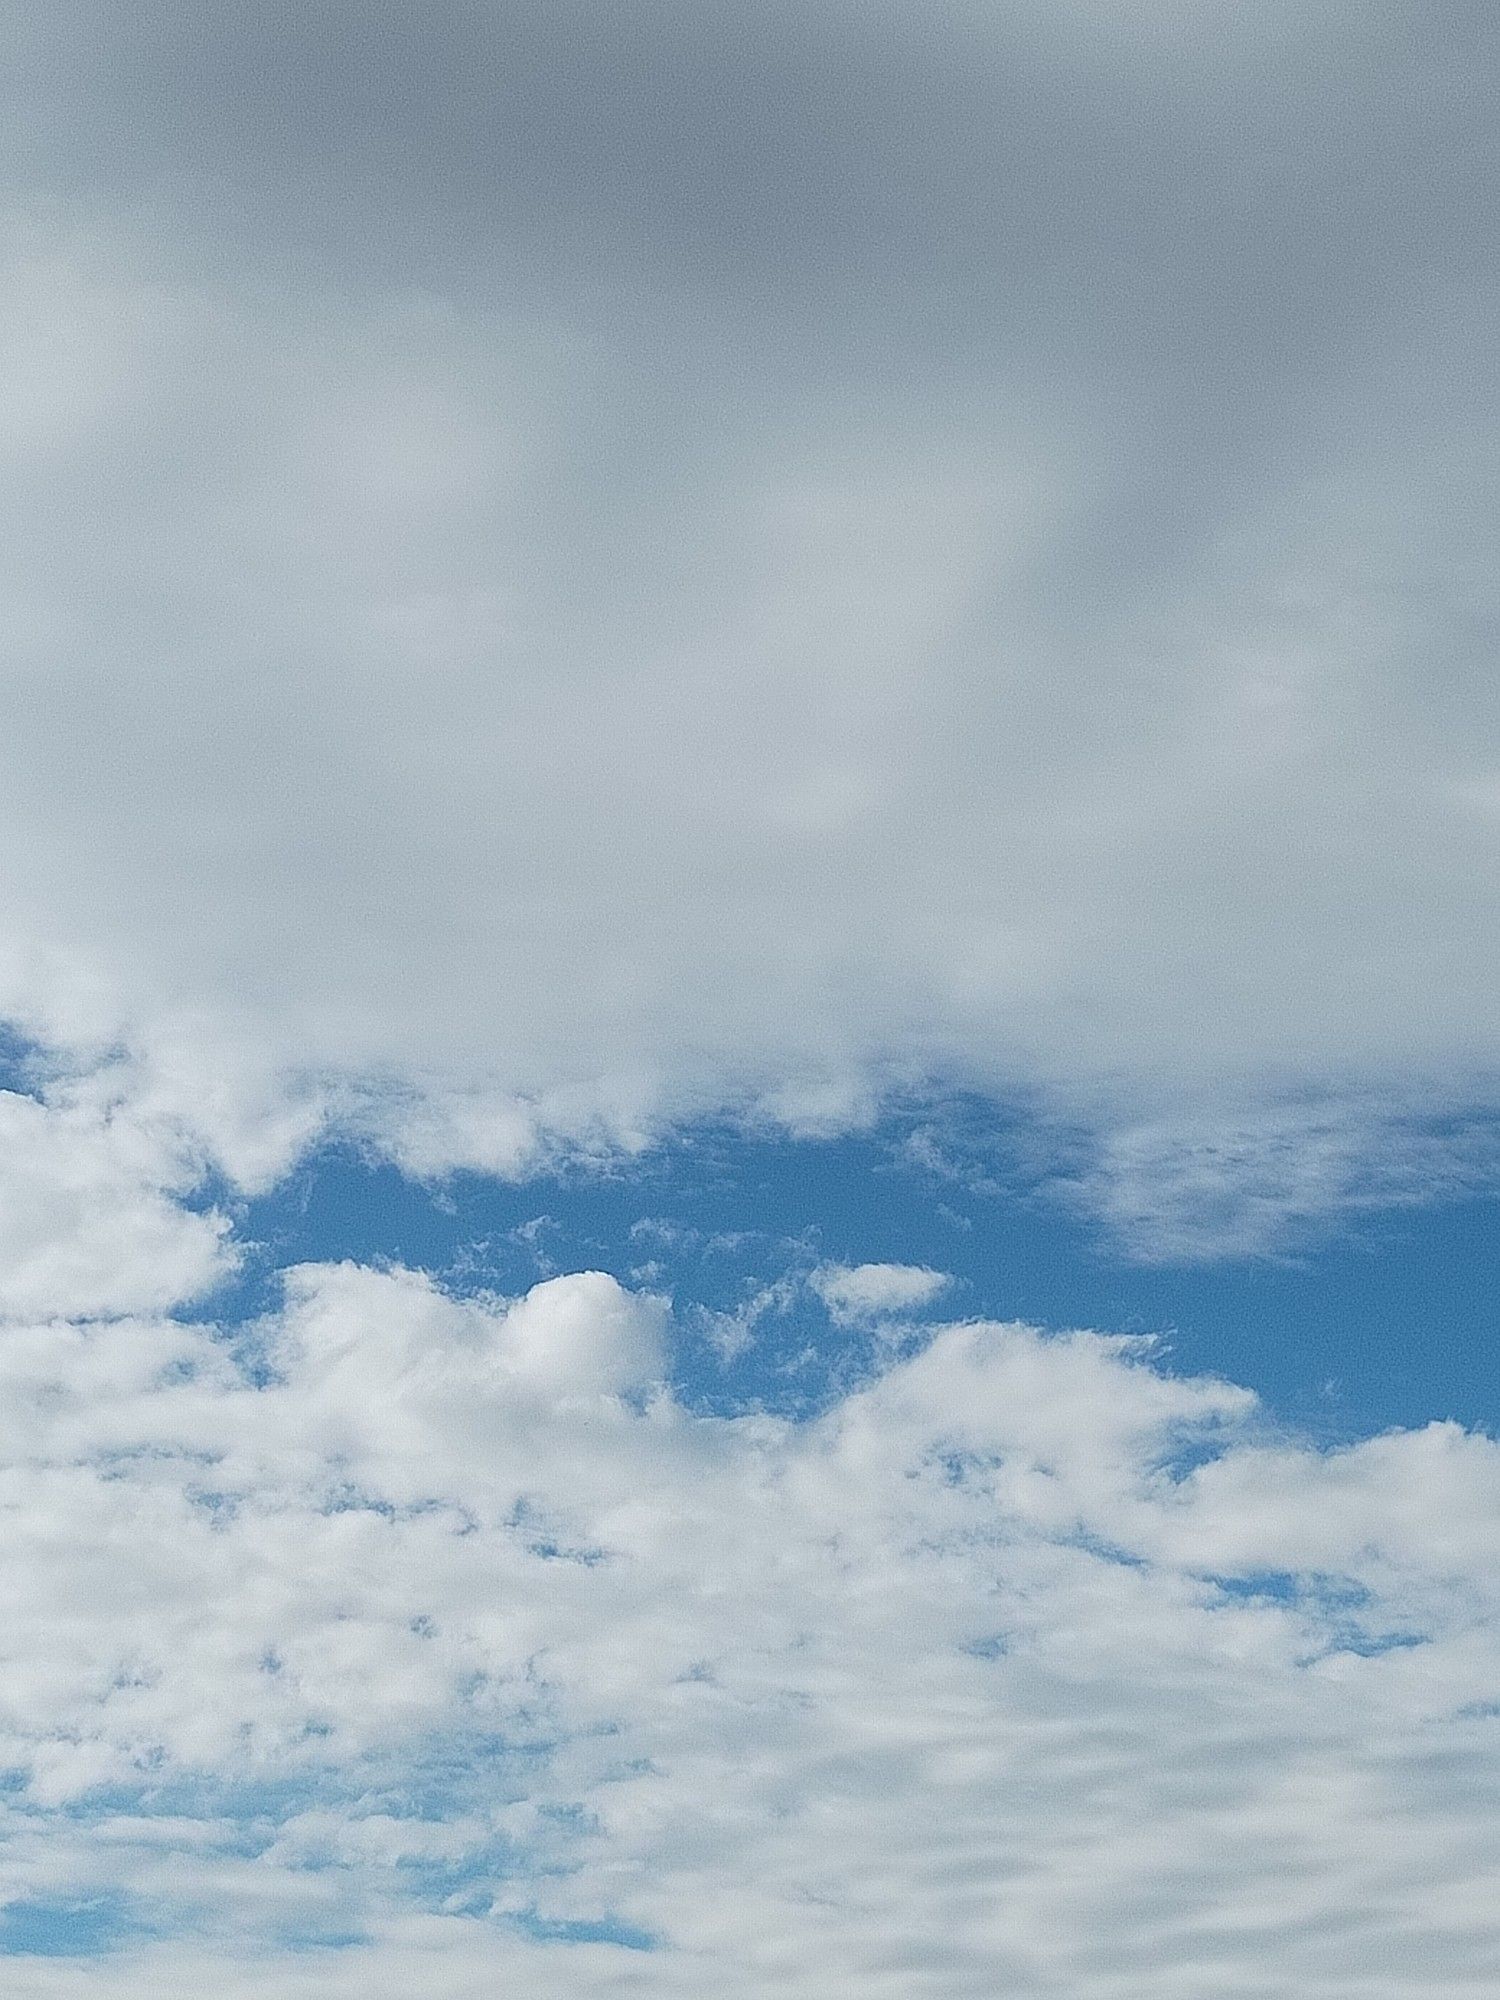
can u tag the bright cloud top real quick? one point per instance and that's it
(440, 1628)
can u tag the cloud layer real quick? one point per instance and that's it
(566, 570)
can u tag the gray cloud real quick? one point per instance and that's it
(643, 557)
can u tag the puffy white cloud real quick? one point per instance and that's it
(87, 1219)
(859, 1294)
(1025, 1665)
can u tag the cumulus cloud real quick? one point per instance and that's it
(88, 1223)
(439, 1628)
(750, 559)
(860, 1294)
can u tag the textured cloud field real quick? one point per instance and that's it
(440, 1628)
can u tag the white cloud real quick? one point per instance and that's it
(860, 1294)
(87, 1220)
(1027, 1665)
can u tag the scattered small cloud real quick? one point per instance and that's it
(865, 1294)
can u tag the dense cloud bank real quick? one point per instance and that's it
(569, 566)
(439, 1628)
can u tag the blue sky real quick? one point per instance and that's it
(749, 1080)
(1385, 1319)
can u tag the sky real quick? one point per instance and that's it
(749, 1088)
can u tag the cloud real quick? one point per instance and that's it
(750, 562)
(88, 1223)
(578, 569)
(861, 1294)
(1257, 1177)
(433, 1626)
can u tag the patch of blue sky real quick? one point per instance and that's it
(993, 1646)
(606, 1929)
(426, 1779)
(18, 1062)
(1344, 1609)
(1370, 1645)
(1260, 1587)
(30, 1068)
(1390, 1321)
(63, 1927)
(314, 1938)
